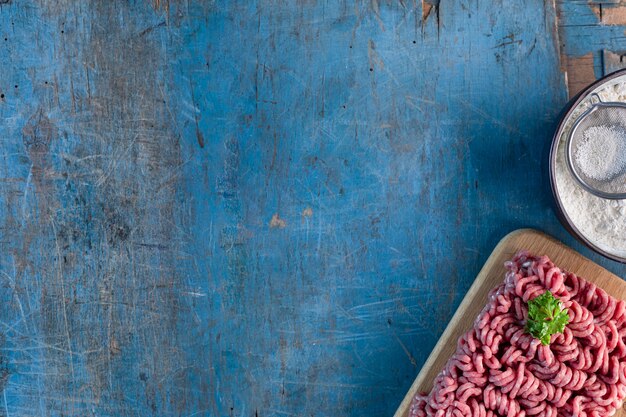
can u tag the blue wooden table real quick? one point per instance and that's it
(263, 208)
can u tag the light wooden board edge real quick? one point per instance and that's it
(492, 274)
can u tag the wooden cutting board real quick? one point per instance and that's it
(490, 276)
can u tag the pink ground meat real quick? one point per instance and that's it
(500, 370)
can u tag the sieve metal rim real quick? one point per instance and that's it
(569, 157)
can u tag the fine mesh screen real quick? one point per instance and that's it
(600, 119)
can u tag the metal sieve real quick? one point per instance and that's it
(600, 114)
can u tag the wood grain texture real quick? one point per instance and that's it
(254, 207)
(492, 275)
(591, 33)
(613, 61)
(580, 73)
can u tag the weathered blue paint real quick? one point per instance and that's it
(257, 208)
(583, 32)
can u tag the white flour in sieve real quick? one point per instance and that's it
(601, 154)
(601, 221)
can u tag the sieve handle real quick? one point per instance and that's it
(595, 96)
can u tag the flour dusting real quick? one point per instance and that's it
(601, 154)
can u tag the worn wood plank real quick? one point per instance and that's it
(580, 72)
(613, 61)
(591, 38)
(256, 208)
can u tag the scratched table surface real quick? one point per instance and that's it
(265, 208)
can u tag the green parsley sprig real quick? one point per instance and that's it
(546, 316)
